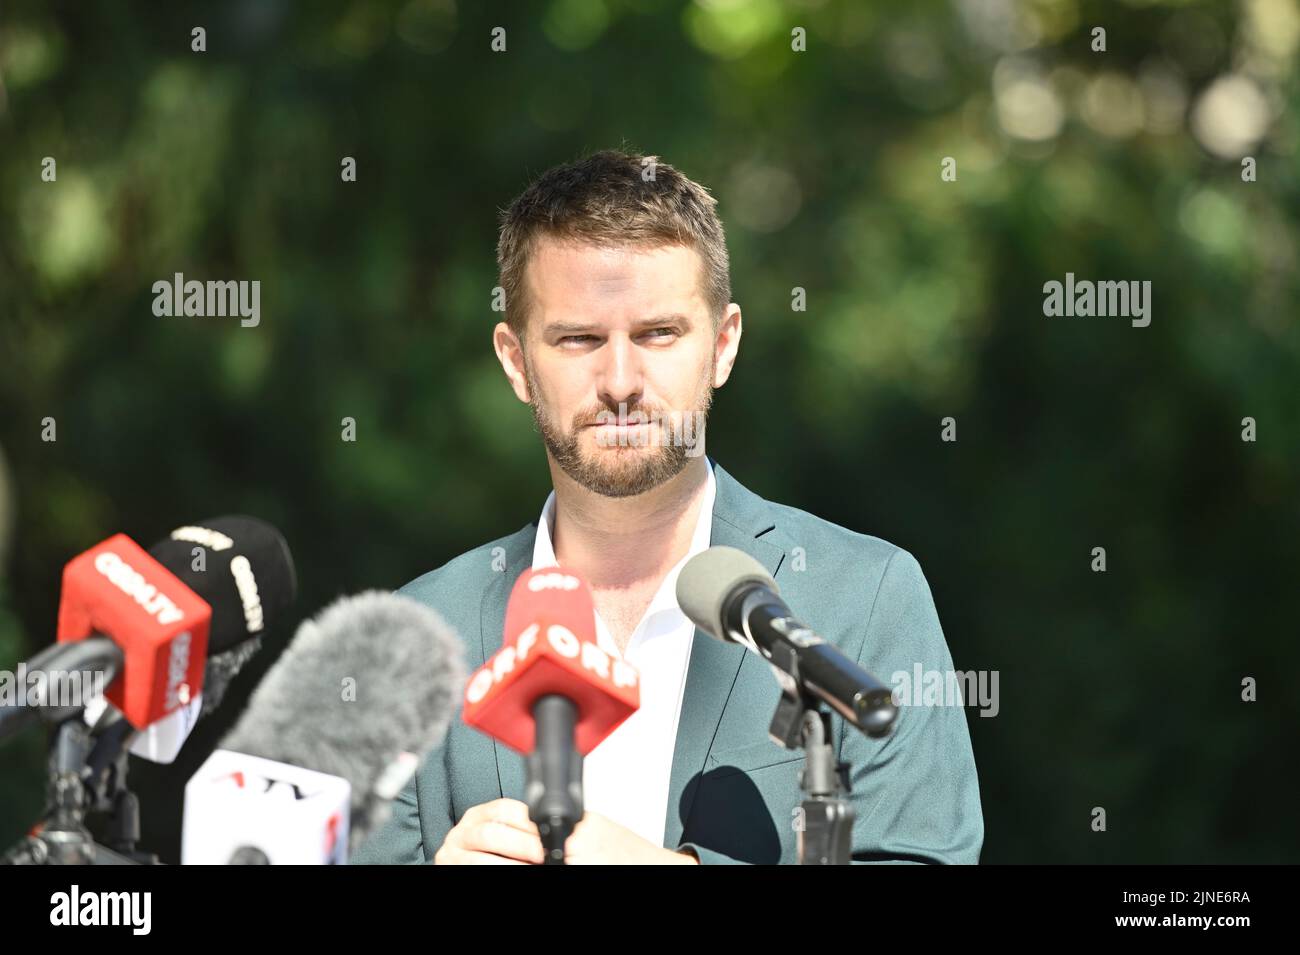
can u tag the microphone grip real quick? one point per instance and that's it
(58, 663)
(758, 617)
(857, 695)
(555, 774)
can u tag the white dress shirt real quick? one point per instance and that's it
(625, 778)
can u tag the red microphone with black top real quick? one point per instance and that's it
(159, 624)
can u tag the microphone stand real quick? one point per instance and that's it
(106, 770)
(825, 816)
(554, 781)
(81, 780)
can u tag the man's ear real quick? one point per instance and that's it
(511, 355)
(726, 345)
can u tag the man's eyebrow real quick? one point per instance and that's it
(662, 320)
(586, 328)
(568, 328)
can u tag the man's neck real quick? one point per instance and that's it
(620, 542)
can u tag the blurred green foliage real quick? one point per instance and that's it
(1119, 690)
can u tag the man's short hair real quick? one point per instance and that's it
(612, 198)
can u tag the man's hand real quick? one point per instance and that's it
(492, 833)
(597, 840)
(500, 833)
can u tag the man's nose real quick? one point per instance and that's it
(621, 376)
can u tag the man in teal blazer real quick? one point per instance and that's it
(733, 791)
(618, 328)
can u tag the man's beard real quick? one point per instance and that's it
(622, 471)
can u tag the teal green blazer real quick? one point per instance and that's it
(733, 792)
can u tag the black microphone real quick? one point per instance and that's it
(46, 701)
(246, 574)
(731, 596)
(241, 578)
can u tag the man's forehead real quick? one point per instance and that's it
(570, 272)
(552, 253)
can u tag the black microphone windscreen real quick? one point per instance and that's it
(246, 574)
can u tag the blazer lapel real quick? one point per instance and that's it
(740, 519)
(517, 559)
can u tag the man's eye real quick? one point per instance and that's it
(577, 338)
(653, 332)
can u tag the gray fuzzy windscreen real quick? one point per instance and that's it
(370, 677)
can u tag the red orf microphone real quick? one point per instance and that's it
(552, 694)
